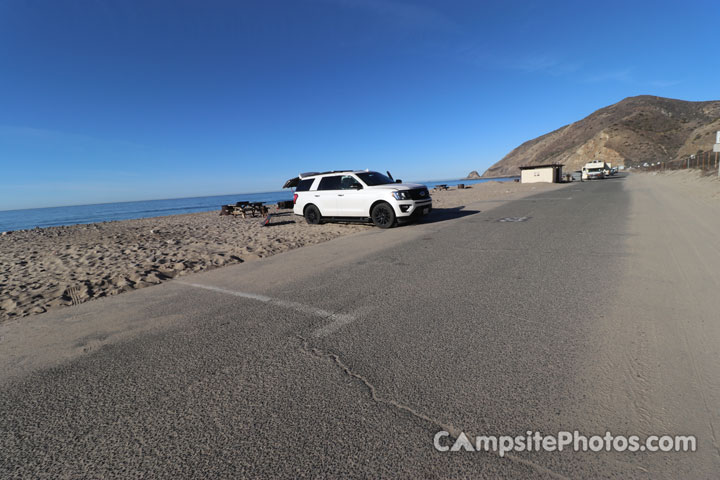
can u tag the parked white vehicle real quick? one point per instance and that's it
(358, 195)
(593, 170)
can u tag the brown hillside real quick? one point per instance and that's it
(630, 132)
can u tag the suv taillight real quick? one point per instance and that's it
(294, 198)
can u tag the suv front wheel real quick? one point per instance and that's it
(312, 215)
(383, 215)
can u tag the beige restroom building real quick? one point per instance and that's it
(550, 173)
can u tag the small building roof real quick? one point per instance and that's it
(547, 165)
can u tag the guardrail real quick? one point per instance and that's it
(705, 161)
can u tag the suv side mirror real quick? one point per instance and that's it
(398, 181)
(356, 186)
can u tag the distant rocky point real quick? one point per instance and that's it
(473, 175)
(630, 132)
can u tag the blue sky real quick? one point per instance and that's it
(105, 101)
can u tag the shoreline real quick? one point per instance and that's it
(54, 267)
(105, 222)
(501, 176)
(492, 178)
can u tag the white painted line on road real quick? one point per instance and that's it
(338, 320)
(253, 296)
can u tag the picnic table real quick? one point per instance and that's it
(441, 186)
(244, 209)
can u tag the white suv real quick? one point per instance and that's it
(358, 195)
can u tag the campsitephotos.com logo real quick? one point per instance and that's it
(574, 441)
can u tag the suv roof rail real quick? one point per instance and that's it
(314, 174)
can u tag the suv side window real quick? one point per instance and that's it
(330, 183)
(347, 182)
(304, 185)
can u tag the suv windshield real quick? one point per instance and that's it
(374, 178)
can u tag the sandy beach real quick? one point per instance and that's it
(55, 267)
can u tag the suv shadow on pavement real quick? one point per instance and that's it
(443, 214)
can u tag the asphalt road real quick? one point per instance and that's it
(550, 313)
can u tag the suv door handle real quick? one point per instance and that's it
(317, 195)
(341, 194)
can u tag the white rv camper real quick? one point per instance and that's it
(594, 170)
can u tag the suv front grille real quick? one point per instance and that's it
(419, 194)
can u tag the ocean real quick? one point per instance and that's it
(11, 220)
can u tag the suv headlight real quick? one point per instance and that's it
(401, 195)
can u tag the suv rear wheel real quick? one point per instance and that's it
(383, 215)
(312, 215)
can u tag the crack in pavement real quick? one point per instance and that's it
(338, 320)
(453, 431)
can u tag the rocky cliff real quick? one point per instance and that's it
(631, 132)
